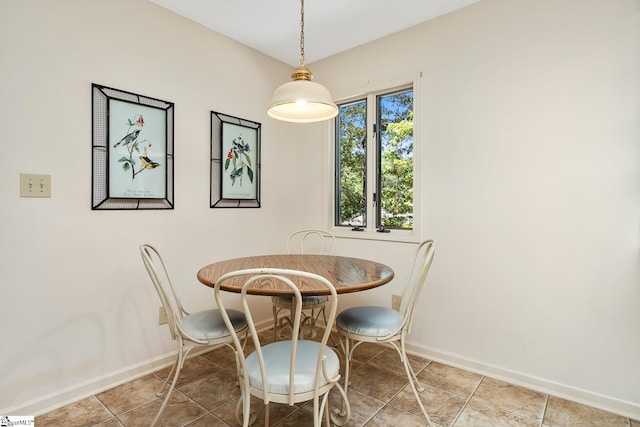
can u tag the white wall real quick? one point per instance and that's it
(78, 310)
(531, 187)
(530, 177)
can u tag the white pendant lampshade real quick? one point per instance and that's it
(301, 100)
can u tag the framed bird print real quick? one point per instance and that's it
(235, 162)
(132, 151)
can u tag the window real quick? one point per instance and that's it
(374, 163)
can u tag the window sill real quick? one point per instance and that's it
(392, 236)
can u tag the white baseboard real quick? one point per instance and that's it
(621, 407)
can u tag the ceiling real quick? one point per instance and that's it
(330, 26)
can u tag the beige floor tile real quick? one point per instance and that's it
(194, 368)
(296, 419)
(367, 351)
(277, 412)
(563, 413)
(86, 412)
(208, 420)
(180, 411)
(223, 356)
(449, 378)
(363, 407)
(390, 416)
(390, 360)
(131, 395)
(227, 413)
(355, 364)
(213, 390)
(265, 337)
(442, 406)
(377, 383)
(113, 422)
(518, 400)
(478, 415)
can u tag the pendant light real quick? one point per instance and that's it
(301, 100)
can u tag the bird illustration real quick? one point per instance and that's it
(147, 163)
(128, 139)
(239, 144)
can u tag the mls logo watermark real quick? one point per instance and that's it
(10, 421)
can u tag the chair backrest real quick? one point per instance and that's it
(311, 242)
(162, 283)
(277, 278)
(417, 276)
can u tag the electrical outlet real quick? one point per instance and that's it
(32, 185)
(162, 316)
(395, 302)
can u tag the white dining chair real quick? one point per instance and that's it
(384, 325)
(287, 371)
(300, 242)
(202, 328)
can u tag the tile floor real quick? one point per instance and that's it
(379, 394)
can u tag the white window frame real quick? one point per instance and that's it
(370, 232)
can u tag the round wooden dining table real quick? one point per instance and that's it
(347, 274)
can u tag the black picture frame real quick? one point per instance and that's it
(132, 151)
(235, 162)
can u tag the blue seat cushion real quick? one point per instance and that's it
(208, 324)
(277, 358)
(369, 321)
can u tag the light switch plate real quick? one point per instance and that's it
(33, 185)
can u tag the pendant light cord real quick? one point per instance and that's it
(301, 33)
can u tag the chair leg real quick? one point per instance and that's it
(324, 316)
(243, 410)
(347, 362)
(317, 411)
(282, 323)
(177, 367)
(266, 415)
(240, 409)
(327, 415)
(347, 368)
(400, 349)
(413, 381)
(341, 417)
(169, 375)
(310, 323)
(323, 410)
(275, 323)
